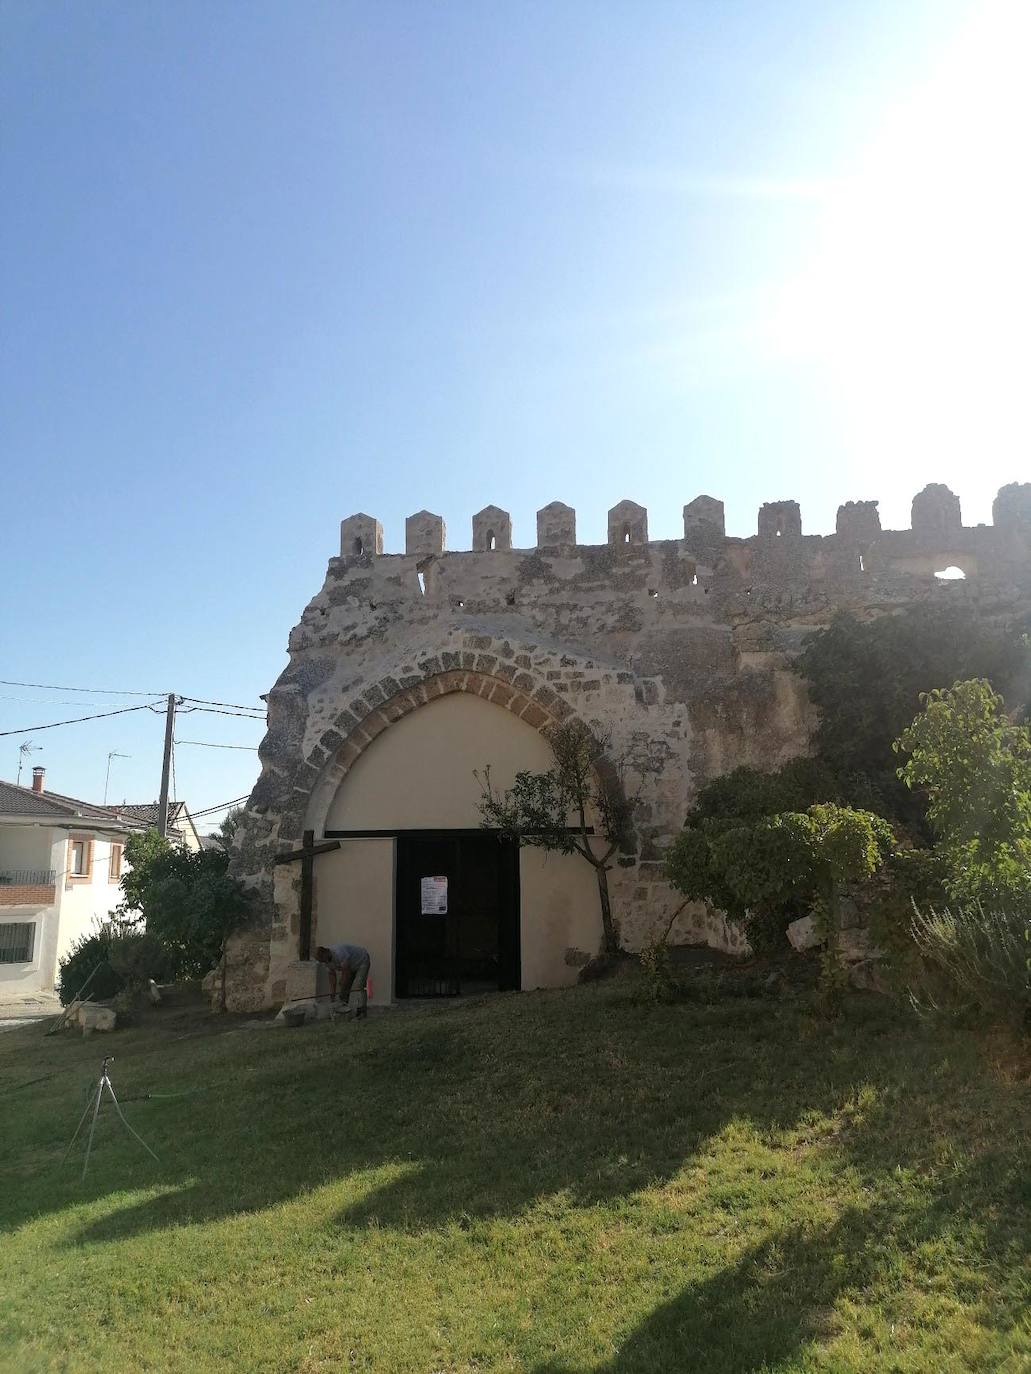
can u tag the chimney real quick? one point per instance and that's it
(38, 774)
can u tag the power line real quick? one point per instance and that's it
(90, 691)
(111, 692)
(214, 711)
(235, 704)
(101, 715)
(207, 810)
(207, 744)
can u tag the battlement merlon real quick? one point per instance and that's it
(936, 519)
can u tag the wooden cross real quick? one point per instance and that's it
(306, 854)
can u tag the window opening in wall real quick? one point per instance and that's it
(17, 939)
(114, 863)
(694, 580)
(626, 534)
(510, 599)
(492, 543)
(653, 593)
(460, 603)
(81, 854)
(951, 574)
(862, 565)
(359, 548)
(422, 583)
(778, 533)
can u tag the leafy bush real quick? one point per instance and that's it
(127, 960)
(187, 900)
(769, 870)
(983, 958)
(85, 955)
(974, 766)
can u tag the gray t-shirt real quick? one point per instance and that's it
(352, 955)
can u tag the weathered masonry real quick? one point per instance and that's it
(409, 671)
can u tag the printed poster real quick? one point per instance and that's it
(434, 896)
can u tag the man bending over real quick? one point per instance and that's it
(348, 967)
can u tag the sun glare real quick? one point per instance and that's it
(918, 302)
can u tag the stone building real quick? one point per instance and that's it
(409, 673)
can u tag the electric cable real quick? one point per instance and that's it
(235, 704)
(52, 725)
(90, 691)
(207, 744)
(207, 810)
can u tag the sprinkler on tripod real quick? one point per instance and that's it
(93, 1105)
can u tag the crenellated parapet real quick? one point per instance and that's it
(937, 543)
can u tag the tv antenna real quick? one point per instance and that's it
(113, 754)
(24, 750)
(94, 1105)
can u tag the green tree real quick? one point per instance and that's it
(227, 830)
(867, 679)
(186, 900)
(577, 807)
(973, 765)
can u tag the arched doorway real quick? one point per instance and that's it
(406, 813)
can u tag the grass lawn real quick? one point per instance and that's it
(554, 1182)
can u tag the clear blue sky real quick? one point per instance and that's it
(265, 265)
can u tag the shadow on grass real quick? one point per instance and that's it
(489, 1109)
(779, 1297)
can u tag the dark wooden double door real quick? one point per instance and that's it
(473, 946)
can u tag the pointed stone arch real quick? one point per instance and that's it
(358, 725)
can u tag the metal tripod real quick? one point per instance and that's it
(93, 1105)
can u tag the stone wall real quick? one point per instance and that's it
(677, 652)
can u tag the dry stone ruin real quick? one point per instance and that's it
(678, 652)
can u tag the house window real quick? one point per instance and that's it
(114, 864)
(80, 858)
(16, 942)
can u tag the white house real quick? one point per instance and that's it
(60, 863)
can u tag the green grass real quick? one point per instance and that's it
(555, 1183)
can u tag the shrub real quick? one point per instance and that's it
(188, 901)
(983, 958)
(128, 959)
(85, 955)
(974, 766)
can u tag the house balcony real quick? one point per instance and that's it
(27, 887)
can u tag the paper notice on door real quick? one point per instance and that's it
(434, 896)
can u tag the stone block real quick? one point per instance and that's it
(802, 934)
(628, 524)
(936, 512)
(858, 522)
(780, 520)
(556, 524)
(360, 535)
(424, 534)
(704, 515)
(305, 978)
(93, 1017)
(492, 529)
(1011, 509)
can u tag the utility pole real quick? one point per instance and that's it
(165, 765)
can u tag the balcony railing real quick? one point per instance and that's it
(26, 886)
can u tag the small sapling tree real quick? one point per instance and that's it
(579, 806)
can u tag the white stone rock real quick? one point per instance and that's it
(802, 934)
(93, 1017)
